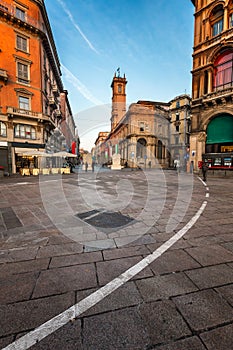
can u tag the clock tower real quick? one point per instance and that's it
(118, 98)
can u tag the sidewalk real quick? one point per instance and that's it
(182, 300)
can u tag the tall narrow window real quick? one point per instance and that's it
(23, 73)
(231, 20)
(19, 13)
(216, 20)
(21, 43)
(2, 129)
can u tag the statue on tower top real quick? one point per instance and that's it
(119, 72)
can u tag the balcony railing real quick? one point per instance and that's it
(218, 94)
(20, 112)
(23, 112)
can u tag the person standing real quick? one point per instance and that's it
(204, 169)
(86, 166)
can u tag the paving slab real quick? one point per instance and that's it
(211, 276)
(8, 269)
(126, 296)
(108, 270)
(24, 316)
(75, 259)
(18, 254)
(163, 287)
(116, 330)
(67, 338)
(192, 343)
(227, 293)
(59, 249)
(125, 252)
(64, 279)
(163, 321)
(219, 339)
(215, 254)
(204, 309)
(17, 287)
(173, 261)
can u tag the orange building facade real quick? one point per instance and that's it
(30, 86)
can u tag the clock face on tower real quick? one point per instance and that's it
(119, 89)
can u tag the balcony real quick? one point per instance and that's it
(216, 97)
(3, 75)
(23, 113)
(55, 89)
(13, 111)
(52, 102)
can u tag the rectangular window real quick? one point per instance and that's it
(177, 117)
(218, 27)
(20, 14)
(2, 129)
(23, 73)
(24, 103)
(21, 43)
(22, 131)
(142, 126)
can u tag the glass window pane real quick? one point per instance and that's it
(24, 102)
(20, 14)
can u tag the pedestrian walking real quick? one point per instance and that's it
(86, 166)
(177, 165)
(204, 169)
(93, 166)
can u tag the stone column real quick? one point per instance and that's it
(225, 19)
(201, 89)
(210, 81)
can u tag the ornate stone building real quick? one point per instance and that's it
(30, 85)
(212, 83)
(149, 133)
(140, 134)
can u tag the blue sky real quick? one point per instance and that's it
(150, 40)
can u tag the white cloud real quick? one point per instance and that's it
(80, 86)
(69, 14)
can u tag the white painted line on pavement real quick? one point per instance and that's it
(207, 195)
(49, 327)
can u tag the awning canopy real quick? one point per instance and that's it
(220, 130)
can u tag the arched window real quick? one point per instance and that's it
(25, 131)
(2, 129)
(223, 70)
(216, 20)
(160, 149)
(141, 148)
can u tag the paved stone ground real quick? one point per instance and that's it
(183, 300)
